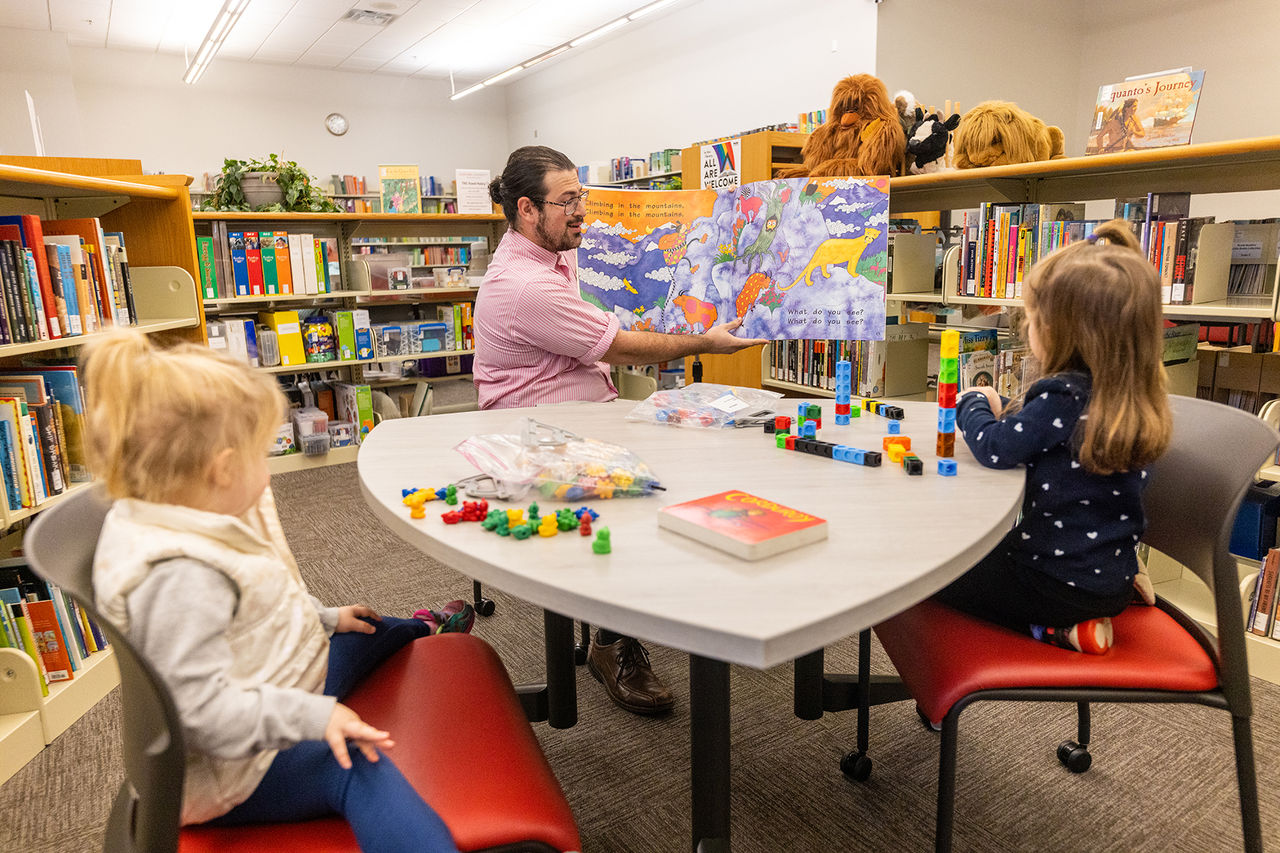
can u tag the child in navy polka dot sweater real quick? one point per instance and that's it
(1084, 432)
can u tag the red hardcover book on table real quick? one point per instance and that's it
(742, 524)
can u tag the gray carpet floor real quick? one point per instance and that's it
(1163, 778)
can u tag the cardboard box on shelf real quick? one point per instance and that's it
(1183, 377)
(1269, 380)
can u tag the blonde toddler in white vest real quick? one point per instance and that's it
(193, 567)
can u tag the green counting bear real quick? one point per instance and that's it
(602, 544)
(522, 531)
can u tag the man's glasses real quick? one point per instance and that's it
(572, 206)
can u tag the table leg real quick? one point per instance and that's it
(709, 752)
(562, 685)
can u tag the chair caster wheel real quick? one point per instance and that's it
(1074, 757)
(485, 606)
(856, 766)
(579, 655)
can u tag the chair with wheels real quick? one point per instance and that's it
(506, 799)
(949, 660)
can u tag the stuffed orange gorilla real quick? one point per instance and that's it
(861, 135)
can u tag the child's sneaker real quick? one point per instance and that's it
(1092, 636)
(456, 617)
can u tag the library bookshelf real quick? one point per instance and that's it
(153, 212)
(351, 232)
(1217, 167)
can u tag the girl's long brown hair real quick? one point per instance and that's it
(1096, 306)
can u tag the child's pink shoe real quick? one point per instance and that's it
(1092, 636)
(456, 617)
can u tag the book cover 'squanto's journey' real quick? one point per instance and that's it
(742, 524)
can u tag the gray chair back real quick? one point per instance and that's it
(145, 817)
(1194, 492)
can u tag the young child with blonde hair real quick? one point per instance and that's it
(1084, 431)
(193, 567)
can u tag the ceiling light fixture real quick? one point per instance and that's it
(213, 39)
(497, 78)
(595, 34)
(556, 51)
(652, 7)
(456, 95)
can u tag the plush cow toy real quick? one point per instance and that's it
(927, 141)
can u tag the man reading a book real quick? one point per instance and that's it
(538, 341)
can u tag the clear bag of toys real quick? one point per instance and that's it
(705, 405)
(557, 463)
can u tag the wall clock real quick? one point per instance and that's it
(336, 123)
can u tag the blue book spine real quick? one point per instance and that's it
(251, 341)
(8, 463)
(66, 272)
(73, 615)
(239, 262)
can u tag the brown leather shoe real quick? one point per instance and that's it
(623, 668)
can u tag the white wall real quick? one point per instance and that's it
(706, 68)
(109, 103)
(244, 110)
(987, 50)
(38, 63)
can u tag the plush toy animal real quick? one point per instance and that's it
(861, 136)
(995, 133)
(927, 142)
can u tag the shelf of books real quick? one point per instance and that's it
(322, 299)
(85, 244)
(1181, 586)
(45, 685)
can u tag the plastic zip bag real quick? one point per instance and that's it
(559, 464)
(705, 405)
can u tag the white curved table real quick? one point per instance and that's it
(893, 540)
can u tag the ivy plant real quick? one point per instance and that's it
(301, 195)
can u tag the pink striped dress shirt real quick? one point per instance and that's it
(537, 340)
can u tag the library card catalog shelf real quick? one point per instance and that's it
(358, 239)
(153, 212)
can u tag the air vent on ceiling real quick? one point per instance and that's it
(369, 16)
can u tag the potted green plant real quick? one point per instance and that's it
(271, 185)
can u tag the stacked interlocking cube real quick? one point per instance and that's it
(844, 392)
(948, 380)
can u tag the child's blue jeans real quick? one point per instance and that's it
(384, 811)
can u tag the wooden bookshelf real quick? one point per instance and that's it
(154, 213)
(349, 232)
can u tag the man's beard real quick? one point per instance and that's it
(561, 242)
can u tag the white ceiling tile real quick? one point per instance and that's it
(80, 16)
(24, 15)
(137, 24)
(472, 39)
(257, 22)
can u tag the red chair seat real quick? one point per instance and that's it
(944, 655)
(462, 740)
